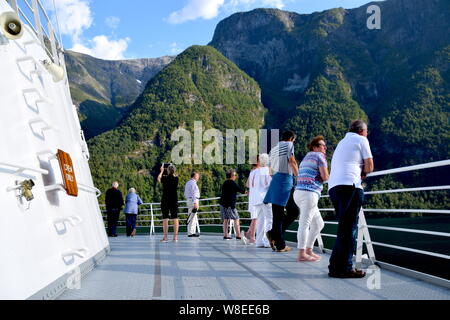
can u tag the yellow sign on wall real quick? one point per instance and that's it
(68, 173)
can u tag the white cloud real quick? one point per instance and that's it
(104, 48)
(195, 9)
(208, 9)
(175, 48)
(112, 22)
(280, 4)
(74, 17)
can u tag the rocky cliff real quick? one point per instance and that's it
(101, 88)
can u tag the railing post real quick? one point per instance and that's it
(152, 222)
(231, 228)
(37, 21)
(53, 44)
(198, 220)
(363, 236)
(198, 226)
(13, 4)
(368, 240)
(320, 243)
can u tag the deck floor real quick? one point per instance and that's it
(209, 268)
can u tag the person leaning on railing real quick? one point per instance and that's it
(192, 195)
(312, 173)
(351, 161)
(284, 168)
(132, 203)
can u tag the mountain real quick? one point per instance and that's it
(312, 73)
(199, 85)
(318, 71)
(102, 89)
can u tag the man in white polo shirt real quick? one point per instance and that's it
(351, 161)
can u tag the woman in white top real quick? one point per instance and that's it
(251, 232)
(259, 184)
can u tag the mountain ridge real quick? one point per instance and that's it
(285, 53)
(103, 89)
(316, 73)
(199, 85)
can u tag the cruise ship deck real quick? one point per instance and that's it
(209, 268)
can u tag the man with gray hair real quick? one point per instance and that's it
(114, 203)
(351, 161)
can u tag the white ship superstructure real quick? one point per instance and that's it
(47, 241)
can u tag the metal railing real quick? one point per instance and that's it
(363, 227)
(19, 169)
(426, 211)
(40, 24)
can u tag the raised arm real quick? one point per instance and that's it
(161, 171)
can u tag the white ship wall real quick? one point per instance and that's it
(32, 242)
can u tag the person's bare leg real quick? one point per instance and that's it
(165, 229)
(226, 222)
(253, 225)
(176, 225)
(237, 228)
(251, 232)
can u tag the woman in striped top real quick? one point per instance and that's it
(312, 172)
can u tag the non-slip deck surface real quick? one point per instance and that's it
(209, 268)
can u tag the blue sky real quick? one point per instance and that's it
(117, 29)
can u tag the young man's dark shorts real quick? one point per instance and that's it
(169, 210)
(229, 213)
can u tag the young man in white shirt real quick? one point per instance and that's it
(352, 160)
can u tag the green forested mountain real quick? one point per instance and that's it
(316, 73)
(102, 89)
(199, 85)
(325, 108)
